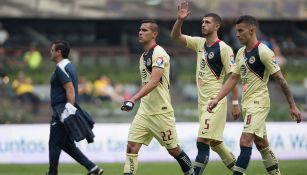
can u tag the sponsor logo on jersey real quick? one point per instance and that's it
(143, 74)
(243, 70)
(202, 64)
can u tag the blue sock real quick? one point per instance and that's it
(185, 163)
(242, 161)
(202, 158)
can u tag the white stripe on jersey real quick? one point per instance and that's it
(62, 65)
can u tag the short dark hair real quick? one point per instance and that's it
(154, 25)
(247, 19)
(63, 46)
(215, 17)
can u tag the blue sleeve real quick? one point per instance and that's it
(62, 75)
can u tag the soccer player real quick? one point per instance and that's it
(155, 116)
(64, 91)
(214, 60)
(255, 62)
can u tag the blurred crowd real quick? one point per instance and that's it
(21, 90)
(101, 90)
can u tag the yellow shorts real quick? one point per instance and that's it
(212, 124)
(254, 120)
(162, 127)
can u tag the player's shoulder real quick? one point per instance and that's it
(159, 50)
(241, 51)
(196, 38)
(264, 49)
(224, 45)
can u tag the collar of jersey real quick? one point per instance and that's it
(63, 62)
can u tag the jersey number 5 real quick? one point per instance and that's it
(206, 124)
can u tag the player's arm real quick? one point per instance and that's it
(70, 109)
(182, 14)
(295, 113)
(230, 66)
(269, 60)
(153, 82)
(235, 103)
(70, 92)
(227, 87)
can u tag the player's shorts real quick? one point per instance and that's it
(162, 127)
(254, 120)
(212, 124)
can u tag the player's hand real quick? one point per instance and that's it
(295, 114)
(127, 106)
(68, 110)
(183, 10)
(235, 111)
(211, 105)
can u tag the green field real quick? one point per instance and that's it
(297, 167)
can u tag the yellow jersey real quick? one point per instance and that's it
(255, 67)
(158, 101)
(213, 62)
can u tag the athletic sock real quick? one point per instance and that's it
(227, 157)
(242, 161)
(131, 164)
(185, 163)
(202, 158)
(270, 162)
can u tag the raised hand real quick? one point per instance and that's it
(183, 10)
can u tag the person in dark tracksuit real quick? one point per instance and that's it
(64, 91)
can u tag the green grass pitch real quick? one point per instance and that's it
(296, 167)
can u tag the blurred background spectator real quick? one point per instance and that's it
(33, 57)
(85, 90)
(23, 89)
(103, 88)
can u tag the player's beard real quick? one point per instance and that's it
(207, 34)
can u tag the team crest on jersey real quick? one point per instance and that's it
(211, 55)
(252, 60)
(160, 61)
(148, 62)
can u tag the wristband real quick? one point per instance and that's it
(235, 102)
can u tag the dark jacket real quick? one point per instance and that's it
(79, 126)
